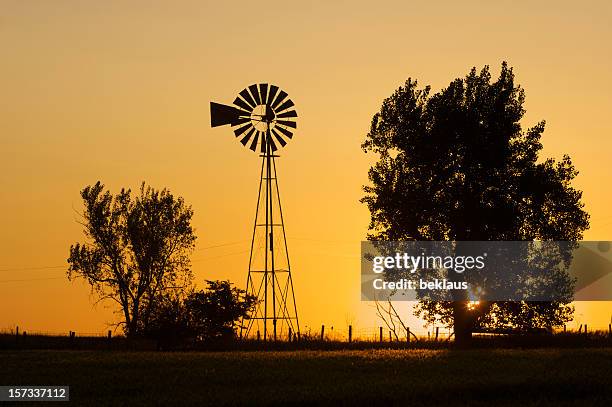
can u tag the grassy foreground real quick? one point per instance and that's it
(364, 377)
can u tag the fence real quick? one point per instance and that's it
(333, 334)
(351, 333)
(19, 331)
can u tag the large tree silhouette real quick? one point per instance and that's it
(457, 165)
(137, 250)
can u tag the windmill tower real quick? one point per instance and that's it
(263, 118)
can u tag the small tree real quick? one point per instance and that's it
(137, 249)
(169, 322)
(203, 316)
(214, 313)
(458, 166)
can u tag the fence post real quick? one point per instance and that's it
(437, 328)
(564, 328)
(408, 334)
(290, 334)
(580, 329)
(322, 332)
(585, 329)
(609, 329)
(109, 334)
(380, 333)
(390, 338)
(350, 333)
(258, 335)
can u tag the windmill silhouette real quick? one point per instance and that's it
(263, 118)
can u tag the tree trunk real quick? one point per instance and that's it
(462, 323)
(463, 320)
(134, 320)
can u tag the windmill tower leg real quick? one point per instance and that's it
(269, 278)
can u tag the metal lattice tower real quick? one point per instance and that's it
(263, 114)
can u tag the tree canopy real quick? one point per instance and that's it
(457, 165)
(208, 315)
(137, 249)
(215, 311)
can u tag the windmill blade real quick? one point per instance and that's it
(273, 90)
(290, 113)
(242, 129)
(282, 142)
(246, 138)
(285, 132)
(249, 99)
(254, 143)
(255, 93)
(285, 105)
(263, 91)
(222, 114)
(242, 104)
(281, 96)
(287, 123)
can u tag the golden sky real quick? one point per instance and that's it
(118, 91)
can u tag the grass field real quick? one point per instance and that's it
(360, 377)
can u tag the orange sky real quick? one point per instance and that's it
(119, 92)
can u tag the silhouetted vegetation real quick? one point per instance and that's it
(216, 311)
(137, 254)
(137, 250)
(457, 165)
(209, 315)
